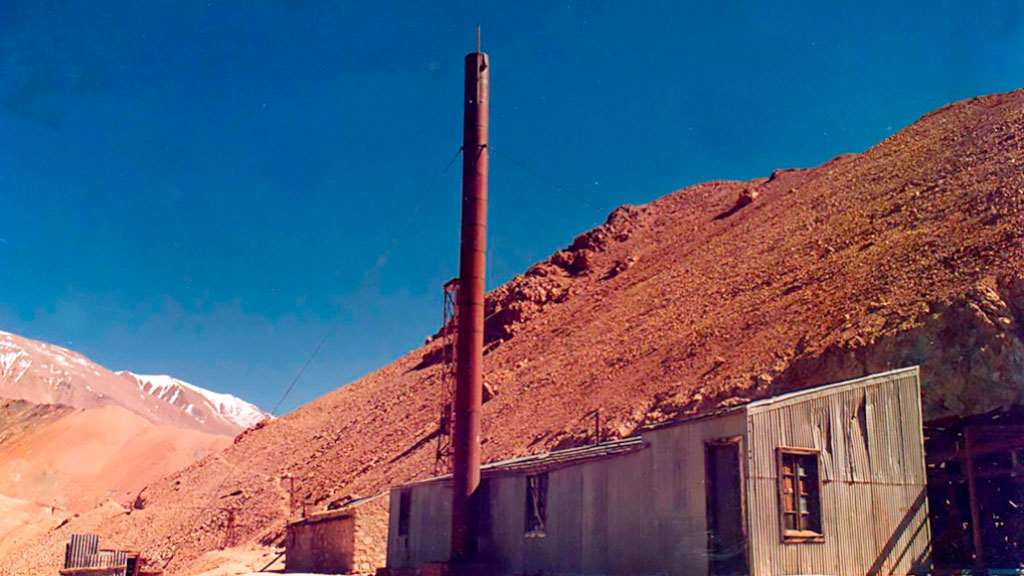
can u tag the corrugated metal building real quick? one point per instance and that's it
(829, 480)
(83, 557)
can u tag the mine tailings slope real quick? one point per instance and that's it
(909, 253)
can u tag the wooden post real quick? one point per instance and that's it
(972, 493)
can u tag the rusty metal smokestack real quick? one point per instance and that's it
(470, 338)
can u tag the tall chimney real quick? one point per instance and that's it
(470, 338)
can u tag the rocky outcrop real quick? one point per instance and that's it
(970, 349)
(552, 281)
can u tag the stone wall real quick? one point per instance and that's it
(371, 535)
(350, 540)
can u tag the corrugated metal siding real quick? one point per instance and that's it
(429, 526)
(874, 514)
(595, 520)
(680, 479)
(80, 550)
(644, 511)
(639, 512)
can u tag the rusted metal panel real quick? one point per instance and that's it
(823, 558)
(823, 439)
(326, 544)
(840, 457)
(552, 460)
(885, 456)
(912, 420)
(82, 556)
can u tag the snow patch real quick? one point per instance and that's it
(14, 361)
(228, 407)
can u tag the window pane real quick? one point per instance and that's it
(798, 494)
(805, 486)
(536, 503)
(787, 485)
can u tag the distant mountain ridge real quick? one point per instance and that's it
(189, 397)
(43, 373)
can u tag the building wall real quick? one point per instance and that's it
(352, 541)
(680, 492)
(874, 509)
(644, 512)
(370, 536)
(324, 545)
(637, 513)
(429, 538)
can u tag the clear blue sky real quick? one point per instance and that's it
(200, 188)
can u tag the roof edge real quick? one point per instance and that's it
(785, 399)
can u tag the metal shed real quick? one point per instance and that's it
(829, 480)
(83, 557)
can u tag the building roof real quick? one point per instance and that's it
(791, 397)
(555, 459)
(633, 443)
(346, 510)
(568, 456)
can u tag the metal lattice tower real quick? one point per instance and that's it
(449, 328)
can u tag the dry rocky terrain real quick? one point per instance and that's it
(909, 253)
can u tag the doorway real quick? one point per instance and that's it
(727, 538)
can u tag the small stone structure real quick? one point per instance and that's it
(349, 540)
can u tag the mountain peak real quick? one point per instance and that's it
(181, 393)
(44, 373)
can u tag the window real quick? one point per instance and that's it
(404, 510)
(799, 495)
(536, 505)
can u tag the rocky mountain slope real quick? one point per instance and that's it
(909, 253)
(57, 461)
(74, 435)
(42, 373)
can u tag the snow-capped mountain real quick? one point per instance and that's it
(42, 373)
(196, 401)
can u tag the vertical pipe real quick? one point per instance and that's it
(470, 337)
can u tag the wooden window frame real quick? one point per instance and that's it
(800, 535)
(529, 529)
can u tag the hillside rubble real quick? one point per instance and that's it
(909, 253)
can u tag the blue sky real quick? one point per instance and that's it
(201, 188)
